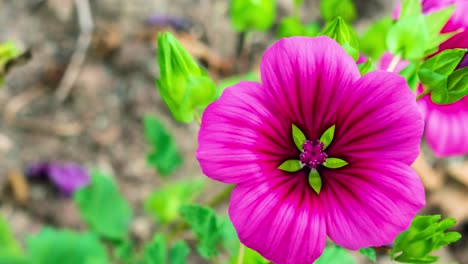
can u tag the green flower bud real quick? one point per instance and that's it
(184, 86)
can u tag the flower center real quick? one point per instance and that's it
(313, 153)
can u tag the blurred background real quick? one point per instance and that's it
(86, 80)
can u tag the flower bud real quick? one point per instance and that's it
(183, 84)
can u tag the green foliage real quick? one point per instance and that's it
(410, 73)
(409, 37)
(335, 255)
(248, 15)
(344, 35)
(425, 235)
(435, 21)
(103, 208)
(292, 26)
(164, 155)
(206, 227)
(8, 51)
(164, 203)
(57, 246)
(369, 253)
(415, 35)
(155, 252)
(124, 252)
(372, 42)
(331, 9)
(8, 243)
(439, 76)
(366, 67)
(231, 243)
(178, 253)
(183, 85)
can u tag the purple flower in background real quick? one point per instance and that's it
(67, 177)
(446, 129)
(177, 23)
(313, 84)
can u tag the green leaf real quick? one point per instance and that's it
(164, 155)
(315, 181)
(327, 137)
(409, 36)
(335, 255)
(446, 85)
(178, 253)
(425, 235)
(291, 166)
(369, 253)
(8, 243)
(103, 208)
(205, 225)
(443, 63)
(366, 67)
(247, 15)
(457, 87)
(410, 73)
(231, 243)
(372, 42)
(124, 252)
(290, 26)
(435, 22)
(155, 251)
(334, 163)
(229, 238)
(55, 246)
(13, 259)
(331, 9)
(183, 85)
(298, 137)
(164, 203)
(298, 3)
(344, 35)
(410, 8)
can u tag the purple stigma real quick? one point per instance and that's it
(313, 154)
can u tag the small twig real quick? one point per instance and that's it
(240, 255)
(85, 21)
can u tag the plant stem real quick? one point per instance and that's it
(240, 256)
(396, 59)
(197, 117)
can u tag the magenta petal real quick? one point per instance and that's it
(370, 202)
(446, 129)
(68, 177)
(280, 218)
(380, 118)
(240, 136)
(305, 79)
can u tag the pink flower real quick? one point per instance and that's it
(313, 83)
(446, 130)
